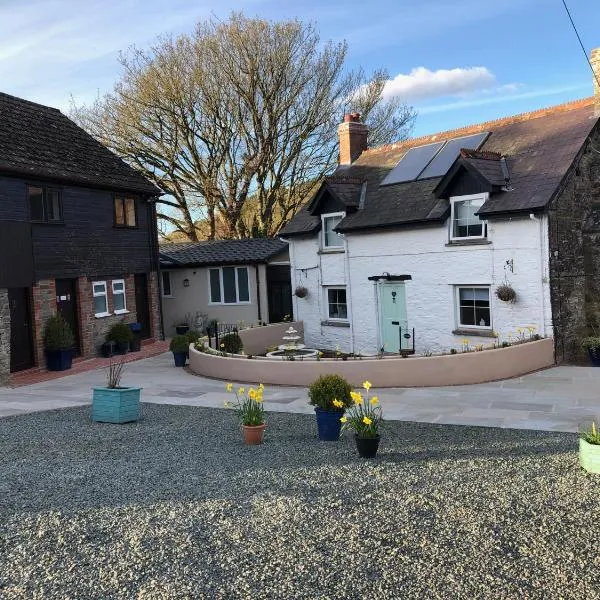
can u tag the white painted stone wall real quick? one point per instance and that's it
(430, 296)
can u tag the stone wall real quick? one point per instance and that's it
(574, 234)
(4, 337)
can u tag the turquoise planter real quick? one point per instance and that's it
(120, 405)
(589, 456)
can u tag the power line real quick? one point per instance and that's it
(587, 59)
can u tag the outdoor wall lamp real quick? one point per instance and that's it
(186, 282)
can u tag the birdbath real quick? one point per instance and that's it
(291, 338)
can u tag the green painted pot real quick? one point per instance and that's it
(589, 456)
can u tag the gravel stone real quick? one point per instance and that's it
(175, 506)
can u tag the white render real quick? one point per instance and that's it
(436, 268)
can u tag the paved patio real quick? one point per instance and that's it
(557, 399)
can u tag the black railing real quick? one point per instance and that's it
(218, 330)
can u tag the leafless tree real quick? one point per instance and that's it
(241, 113)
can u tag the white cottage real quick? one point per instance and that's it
(405, 246)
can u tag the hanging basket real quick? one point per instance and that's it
(506, 293)
(301, 292)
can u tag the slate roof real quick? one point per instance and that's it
(220, 252)
(539, 148)
(39, 141)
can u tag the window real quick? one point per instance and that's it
(125, 212)
(332, 239)
(464, 222)
(100, 298)
(229, 285)
(166, 283)
(44, 204)
(118, 291)
(474, 307)
(336, 303)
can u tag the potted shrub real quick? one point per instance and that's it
(108, 349)
(364, 417)
(231, 343)
(250, 410)
(58, 344)
(506, 293)
(301, 292)
(589, 449)
(121, 335)
(330, 395)
(179, 346)
(115, 403)
(592, 345)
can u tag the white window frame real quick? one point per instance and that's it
(120, 311)
(162, 286)
(458, 199)
(323, 218)
(329, 317)
(222, 287)
(98, 295)
(457, 289)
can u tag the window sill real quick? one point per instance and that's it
(331, 251)
(121, 312)
(475, 332)
(329, 323)
(225, 303)
(102, 315)
(476, 242)
(48, 223)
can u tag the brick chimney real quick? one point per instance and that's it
(353, 137)
(595, 61)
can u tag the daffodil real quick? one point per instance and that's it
(344, 419)
(465, 342)
(226, 404)
(222, 346)
(367, 421)
(261, 386)
(229, 387)
(241, 390)
(367, 385)
(252, 394)
(374, 400)
(338, 403)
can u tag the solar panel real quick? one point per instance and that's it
(412, 163)
(441, 164)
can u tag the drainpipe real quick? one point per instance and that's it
(258, 292)
(349, 293)
(541, 256)
(292, 278)
(154, 249)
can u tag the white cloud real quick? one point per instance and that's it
(423, 84)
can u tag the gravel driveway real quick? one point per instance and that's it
(176, 507)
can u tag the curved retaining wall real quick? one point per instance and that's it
(457, 369)
(257, 339)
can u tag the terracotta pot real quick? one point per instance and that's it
(253, 434)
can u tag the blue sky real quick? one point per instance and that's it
(456, 61)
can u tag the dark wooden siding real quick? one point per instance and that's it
(16, 259)
(13, 200)
(464, 183)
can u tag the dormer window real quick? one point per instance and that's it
(331, 239)
(464, 223)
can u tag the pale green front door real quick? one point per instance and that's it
(394, 325)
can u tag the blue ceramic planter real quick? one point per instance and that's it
(59, 360)
(329, 424)
(180, 358)
(594, 357)
(120, 405)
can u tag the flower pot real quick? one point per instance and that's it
(180, 358)
(119, 405)
(594, 354)
(182, 329)
(121, 347)
(329, 424)
(367, 447)
(59, 360)
(589, 456)
(136, 344)
(253, 434)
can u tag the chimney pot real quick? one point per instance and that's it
(353, 138)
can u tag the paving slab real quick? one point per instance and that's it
(557, 399)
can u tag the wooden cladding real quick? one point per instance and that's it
(16, 257)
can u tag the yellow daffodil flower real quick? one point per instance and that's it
(222, 345)
(374, 400)
(241, 390)
(465, 342)
(367, 421)
(261, 386)
(252, 394)
(367, 385)
(337, 403)
(226, 404)
(344, 419)
(229, 387)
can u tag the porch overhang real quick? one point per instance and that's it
(388, 277)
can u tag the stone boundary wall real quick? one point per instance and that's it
(452, 369)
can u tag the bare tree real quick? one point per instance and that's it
(241, 113)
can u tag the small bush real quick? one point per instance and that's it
(453, 351)
(591, 343)
(231, 343)
(58, 334)
(193, 335)
(179, 343)
(119, 332)
(328, 388)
